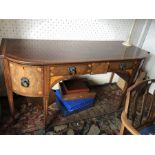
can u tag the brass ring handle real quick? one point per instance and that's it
(122, 66)
(25, 82)
(72, 70)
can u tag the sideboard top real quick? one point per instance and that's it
(63, 51)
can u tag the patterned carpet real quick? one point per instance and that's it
(102, 118)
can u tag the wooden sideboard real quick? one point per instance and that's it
(32, 67)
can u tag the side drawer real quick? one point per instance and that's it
(70, 69)
(120, 66)
(99, 68)
(26, 80)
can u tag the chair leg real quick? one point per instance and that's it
(122, 129)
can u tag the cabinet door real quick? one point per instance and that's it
(26, 80)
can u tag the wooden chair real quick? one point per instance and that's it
(139, 109)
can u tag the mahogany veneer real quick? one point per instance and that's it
(32, 67)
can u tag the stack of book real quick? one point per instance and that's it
(73, 96)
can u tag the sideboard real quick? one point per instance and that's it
(32, 67)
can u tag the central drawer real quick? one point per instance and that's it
(100, 67)
(70, 69)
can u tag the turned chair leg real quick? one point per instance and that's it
(122, 129)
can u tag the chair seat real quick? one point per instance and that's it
(149, 130)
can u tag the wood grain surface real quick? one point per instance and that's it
(61, 51)
(33, 73)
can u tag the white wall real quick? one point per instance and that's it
(149, 45)
(82, 29)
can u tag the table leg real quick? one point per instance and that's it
(11, 103)
(133, 76)
(122, 129)
(45, 104)
(111, 78)
(9, 87)
(46, 89)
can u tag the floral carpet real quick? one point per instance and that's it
(101, 119)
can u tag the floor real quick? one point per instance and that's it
(101, 119)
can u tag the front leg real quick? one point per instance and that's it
(46, 90)
(11, 102)
(9, 87)
(45, 104)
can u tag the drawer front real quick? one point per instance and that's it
(99, 68)
(26, 80)
(120, 66)
(72, 69)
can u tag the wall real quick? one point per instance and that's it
(149, 45)
(79, 29)
(66, 29)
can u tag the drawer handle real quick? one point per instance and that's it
(72, 70)
(122, 66)
(25, 82)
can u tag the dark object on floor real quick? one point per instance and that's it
(65, 112)
(139, 109)
(75, 86)
(75, 95)
(72, 105)
(149, 130)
